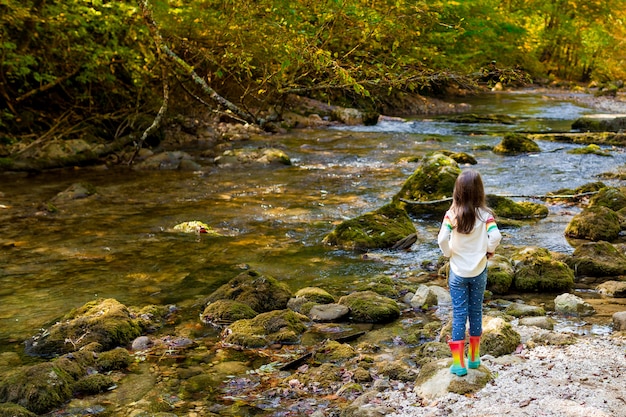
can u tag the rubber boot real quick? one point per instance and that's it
(457, 347)
(473, 356)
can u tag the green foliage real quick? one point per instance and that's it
(97, 63)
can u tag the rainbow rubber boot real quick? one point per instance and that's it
(457, 347)
(473, 359)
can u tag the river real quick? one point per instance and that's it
(118, 243)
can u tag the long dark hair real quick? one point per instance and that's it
(467, 198)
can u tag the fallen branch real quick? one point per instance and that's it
(536, 197)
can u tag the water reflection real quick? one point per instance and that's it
(119, 243)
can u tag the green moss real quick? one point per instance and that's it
(115, 359)
(433, 179)
(598, 259)
(226, 311)
(516, 143)
(280, 326)
(39, 388)
(261, 292)
(505, 207)
(595, 223)
(332, 351)
(610, 197)
(537, 271)
(369, 307)
(462, 386)
(482, 118)
(93, 384)
(316, 295)
(589, 149)
(378, 229)
(500, 275)
(14, 410)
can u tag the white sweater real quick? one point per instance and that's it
(468, 252)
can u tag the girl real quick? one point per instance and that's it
(468, 236)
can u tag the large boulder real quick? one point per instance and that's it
(106, 322)
(261, 292)
(222, 312)
(536, 270)
(432, 180)
(597, 259)
(595, 223)
(514, 144)
(379, 229)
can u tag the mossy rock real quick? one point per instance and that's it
(323, 377)
(515, 144)
(537, 271)
(370, 307)
(381, 284)
(226, 311)
(14, 410)
(114, 360)
(332, 351)
(498, 338)
(500, 274)
(93, 384)
(40, 388)
(397, 370)
(262, 293)
(597, 259)
(610, 197)
(595, 223)
(461, 158)
(524, 310)
(433, 179)
(430, 351)
(507, 208)
(279, 326)
(106, 322)
(316, 295)
(379, 229)
(591, 149)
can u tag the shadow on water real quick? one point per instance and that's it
(119, 243)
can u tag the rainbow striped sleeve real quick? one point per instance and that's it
(447, 222)
(491, 224)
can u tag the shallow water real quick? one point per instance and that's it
(118, 243)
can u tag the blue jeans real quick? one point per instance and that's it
(467, 302)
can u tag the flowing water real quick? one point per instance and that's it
(118, 243)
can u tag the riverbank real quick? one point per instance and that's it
(585, 379)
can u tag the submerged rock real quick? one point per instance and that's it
(515, 143)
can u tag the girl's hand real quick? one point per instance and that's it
(489, 255)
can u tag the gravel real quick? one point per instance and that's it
(586, 379)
